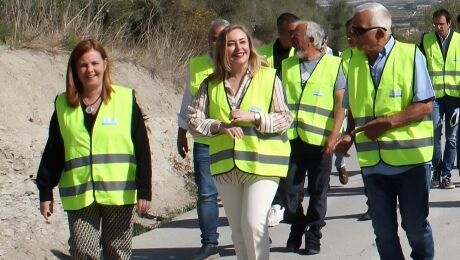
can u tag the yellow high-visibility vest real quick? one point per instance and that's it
(256, 153)
(266, 51)
(346, 56)
(406, 145)
(312, 106)
(200, 68)
(100, 167)
(445, 74)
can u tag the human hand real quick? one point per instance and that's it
(375, 128)
(328, 148)
(46, 209)
(239, 116)
(182, 143)
(235, 132)
(342, 145)
(142, 206)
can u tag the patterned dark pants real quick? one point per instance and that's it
(100, 225)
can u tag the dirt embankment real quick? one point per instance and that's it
(29, 82)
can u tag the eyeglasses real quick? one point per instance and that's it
(359, 31)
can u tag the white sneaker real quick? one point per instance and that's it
(275, 215)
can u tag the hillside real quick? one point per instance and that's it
(30, 82)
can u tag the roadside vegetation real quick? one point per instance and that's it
(162, 35)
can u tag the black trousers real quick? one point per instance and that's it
(306, 159)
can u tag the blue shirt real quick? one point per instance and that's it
(423, 90)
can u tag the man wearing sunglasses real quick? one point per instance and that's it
(442, 48)
(389, 96)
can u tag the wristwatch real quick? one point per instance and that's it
(256, 117)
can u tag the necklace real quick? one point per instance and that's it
(89, 108)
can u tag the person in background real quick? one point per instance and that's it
(207, 206)
(274, 53)
(314, 84)
(441, 49)
(98, 153)
(347, 54)
(325, 46)
(389, 97)
(242, 107)
(339, 162)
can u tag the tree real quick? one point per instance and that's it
(336, 15)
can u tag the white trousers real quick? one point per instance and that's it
(246, 205)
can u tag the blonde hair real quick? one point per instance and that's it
(221, 59)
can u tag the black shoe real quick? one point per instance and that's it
(435, 180)
(294, 241)
(207, 251)
(365, 216)
(446, 183)
(312, 241)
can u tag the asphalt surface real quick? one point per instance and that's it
(344, 237)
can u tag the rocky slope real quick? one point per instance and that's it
(29, 82)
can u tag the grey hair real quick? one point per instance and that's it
(380, 16)
(217, 23)
(316, 32)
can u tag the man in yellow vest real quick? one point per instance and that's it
(274, 53)
(314, 85)
(441, 49)
(389, 97)
(346, 56)
(339, 162)
(207, 207)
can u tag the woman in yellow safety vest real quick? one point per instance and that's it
(98, 154)
(241, 107)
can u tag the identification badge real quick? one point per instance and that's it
(318, 93)
(396, 93)
(255, 109)
(109, 121)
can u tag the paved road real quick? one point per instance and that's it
(343, 237)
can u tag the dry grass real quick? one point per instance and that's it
(57, 25)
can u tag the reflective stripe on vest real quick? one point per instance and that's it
(255, 153)
(445, 74)
(200, 68)
(101, 167)
(311, 106)
(266, 51)
(407, 145)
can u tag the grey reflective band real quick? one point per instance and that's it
(252, 131)
(99, 159)
(394, 145)
(250, 156)
(313, 129)
(100, 186)
(222, 155)
(446, 86)
(316, 110)
(359, 121)
(444, 73)
(367, 146)
(406, 144)
(262, 158)
(292, 106)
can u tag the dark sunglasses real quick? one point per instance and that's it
(358, 31)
